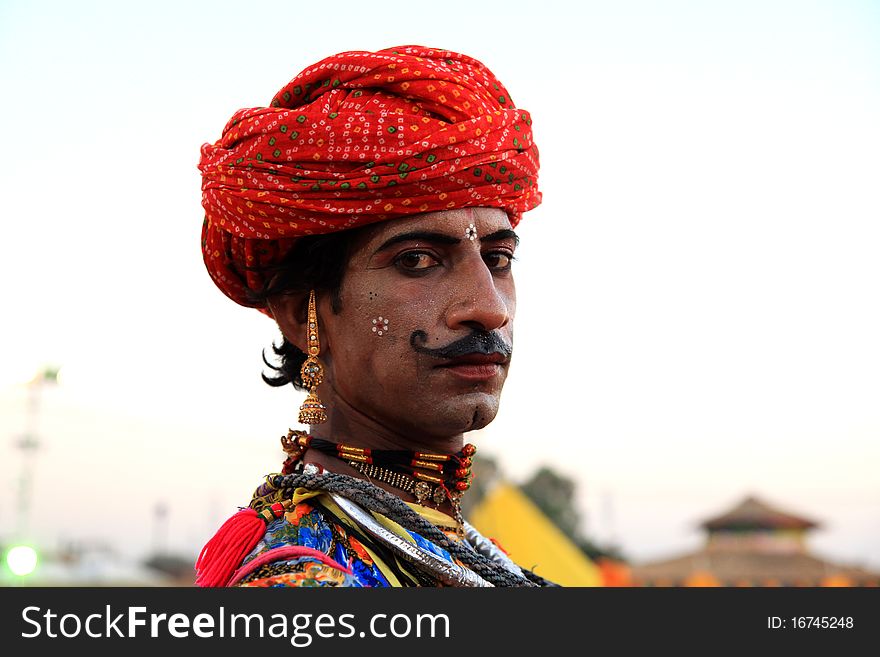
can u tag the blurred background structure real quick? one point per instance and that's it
(753, 544)
(704, 263)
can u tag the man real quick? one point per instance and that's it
(370, 211)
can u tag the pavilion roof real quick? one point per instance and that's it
(753, 513)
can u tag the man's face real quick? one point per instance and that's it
(422, 301)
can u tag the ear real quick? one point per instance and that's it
(290, 312)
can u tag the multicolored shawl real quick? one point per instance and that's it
(317, 544)
(357, 138)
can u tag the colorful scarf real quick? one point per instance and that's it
(357, 138)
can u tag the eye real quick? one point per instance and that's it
(416, 260)
(499, 260)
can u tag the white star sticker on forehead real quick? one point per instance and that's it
(471, 232)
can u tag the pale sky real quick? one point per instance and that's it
(700, 286)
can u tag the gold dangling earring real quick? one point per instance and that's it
(312, 373)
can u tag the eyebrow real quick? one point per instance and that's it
(503, 234)
(418, 236)
(442, 238)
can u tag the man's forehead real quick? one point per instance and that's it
(453, 223)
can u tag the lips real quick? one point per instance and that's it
(475, 367)
(475, 359)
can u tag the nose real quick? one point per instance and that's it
(481, 301)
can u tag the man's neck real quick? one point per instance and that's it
(349, 426)
(346, 424)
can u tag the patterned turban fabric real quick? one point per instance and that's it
(357, 138)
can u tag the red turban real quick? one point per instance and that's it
(357, 138)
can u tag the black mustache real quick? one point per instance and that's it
(477, 342)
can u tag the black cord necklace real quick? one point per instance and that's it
(430, 477)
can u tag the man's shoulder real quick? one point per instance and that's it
(304, 525)
(295, 550)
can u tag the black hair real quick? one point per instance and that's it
(316, 262)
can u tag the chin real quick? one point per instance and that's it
(469, 412)
(445, 416)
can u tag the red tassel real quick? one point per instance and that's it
(223, 554)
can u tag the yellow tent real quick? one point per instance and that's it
(531, 539)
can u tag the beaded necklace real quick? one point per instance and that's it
(430, 477)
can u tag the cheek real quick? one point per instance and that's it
(391, 313)
(373, 318)
(370, 329)
(379, 326)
